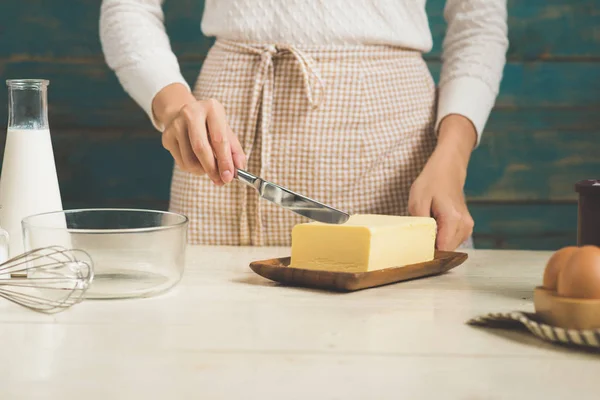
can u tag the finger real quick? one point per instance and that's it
(237, 152)
(448, 220)
(195, 118)
(169, 142)
(218, 134)
(467, 224)
(189, 159)
(457, 239)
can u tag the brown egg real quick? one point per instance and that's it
(581, 277)
(558, 260)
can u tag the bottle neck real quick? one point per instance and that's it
(27, 105)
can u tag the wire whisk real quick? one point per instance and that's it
(48, 280)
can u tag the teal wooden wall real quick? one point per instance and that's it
(543, 135)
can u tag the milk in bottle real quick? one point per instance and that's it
(28, 181)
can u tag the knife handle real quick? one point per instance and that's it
(247, 178)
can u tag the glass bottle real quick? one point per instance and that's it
(28, 181)
(588, 212)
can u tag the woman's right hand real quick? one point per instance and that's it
(197, 134)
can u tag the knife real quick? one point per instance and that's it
(295, 202)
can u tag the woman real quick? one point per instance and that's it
(331, 99)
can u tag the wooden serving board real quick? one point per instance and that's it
(278, 270)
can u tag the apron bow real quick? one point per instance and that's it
(261, 106)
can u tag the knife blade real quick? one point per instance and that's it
(292, 201)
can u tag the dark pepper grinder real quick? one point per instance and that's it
(588, 213)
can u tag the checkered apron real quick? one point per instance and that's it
(348, 126)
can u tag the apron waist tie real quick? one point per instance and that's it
(262, 105)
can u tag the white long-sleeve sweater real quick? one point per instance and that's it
(137, 47)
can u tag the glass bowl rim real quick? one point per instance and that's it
(26, 222)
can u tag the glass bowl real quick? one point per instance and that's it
(136, 253)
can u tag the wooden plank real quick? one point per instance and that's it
(523, 226)
(96, 166)
(88, 94)
(516, 242)
(529, 120)
(521, 165)
(145, 204)
(546, 84)
(507, 226)
(538, 29)
(518, 227)
(129, 165)
(524, 218)
(70, 29)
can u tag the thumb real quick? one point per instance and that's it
(448, 220)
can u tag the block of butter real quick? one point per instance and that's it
(364, 243)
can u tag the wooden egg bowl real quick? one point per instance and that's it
(564, 312)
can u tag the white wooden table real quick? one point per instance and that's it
(226, 333)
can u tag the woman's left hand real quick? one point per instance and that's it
(438, 191)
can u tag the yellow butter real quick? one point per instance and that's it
(363, 243)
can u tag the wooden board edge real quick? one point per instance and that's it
(346, 282)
